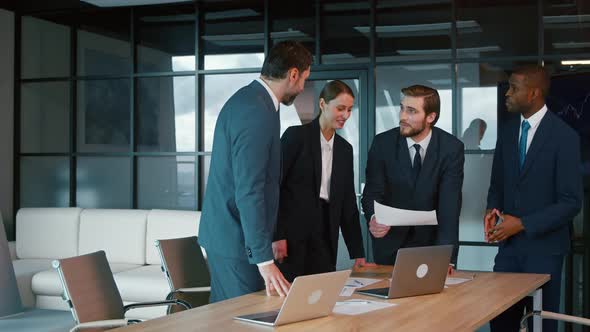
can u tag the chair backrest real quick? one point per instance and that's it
(183, 262)
(89, 287)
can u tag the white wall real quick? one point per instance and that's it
(7, 118)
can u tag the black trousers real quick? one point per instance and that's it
(509, 320)
(313, 253)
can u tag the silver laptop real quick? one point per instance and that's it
(310, 297)
(417, 271)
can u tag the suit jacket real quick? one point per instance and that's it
(242, 196)
(299, 207)
(439, 184)
(547, 194)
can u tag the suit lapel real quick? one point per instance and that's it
(403, 160)
(314, 139)
(430, 158)
(511, 146)
(336, 160)
(543, 132)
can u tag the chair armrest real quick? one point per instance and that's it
(194, 289)
(12, 249)
(157, 303)
(112, 323)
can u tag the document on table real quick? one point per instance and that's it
(390, 216)
(456, 281)
(354, 283)
(358, 307)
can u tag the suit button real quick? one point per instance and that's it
(249, 252)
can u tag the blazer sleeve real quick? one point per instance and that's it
(251, 149)
(496, 189)
(374, 179)
(290, 145)
(449, 202)
(350, 225)
(569, 193)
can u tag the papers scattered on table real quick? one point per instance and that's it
(354, 283)
(456, 281)
(358, 307)
(391, 216)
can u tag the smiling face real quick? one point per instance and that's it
(413, 120)
(338, 110)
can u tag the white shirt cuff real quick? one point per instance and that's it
(265, 263)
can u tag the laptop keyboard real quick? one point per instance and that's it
(268, 317)
(378, 291)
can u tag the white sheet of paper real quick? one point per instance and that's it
(390, 216)
(456, 281)
(358, 307)
(347, 291)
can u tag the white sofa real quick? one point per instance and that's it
(127, 237)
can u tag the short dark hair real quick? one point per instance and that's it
(333, 89)
(284, 56)
(431, 98)
(535, 76)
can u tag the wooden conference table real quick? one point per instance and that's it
(463, 307)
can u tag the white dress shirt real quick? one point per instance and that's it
(423, 147)
(533, 121)
(275, 101)
(327, 148)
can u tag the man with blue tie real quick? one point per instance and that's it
(242, 197)
(535, 192)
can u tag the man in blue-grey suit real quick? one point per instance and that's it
(241, 201)
(535, 192)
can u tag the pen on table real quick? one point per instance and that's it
(356, 282)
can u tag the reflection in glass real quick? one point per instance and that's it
(217, 90)
(514, 33)
(166, 183)
(479, 106)
(345, 31)
(566, 27)
(165, 34)
(476, 181)
(45, 47)
(222, 37)
(103, 42)
(480, 102)
(103, 182)
(413, 30)
(44, 117)
(390, 81)
(103, 115)
(472, 258)
(44, 181)
(293, 20)
(166, 114)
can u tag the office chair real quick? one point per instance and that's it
(552, 315)
(92, 295)
(186, 270)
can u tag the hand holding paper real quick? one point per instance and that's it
(391, 216)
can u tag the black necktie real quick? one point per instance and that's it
(417, 162)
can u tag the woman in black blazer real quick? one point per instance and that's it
(317, 191)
